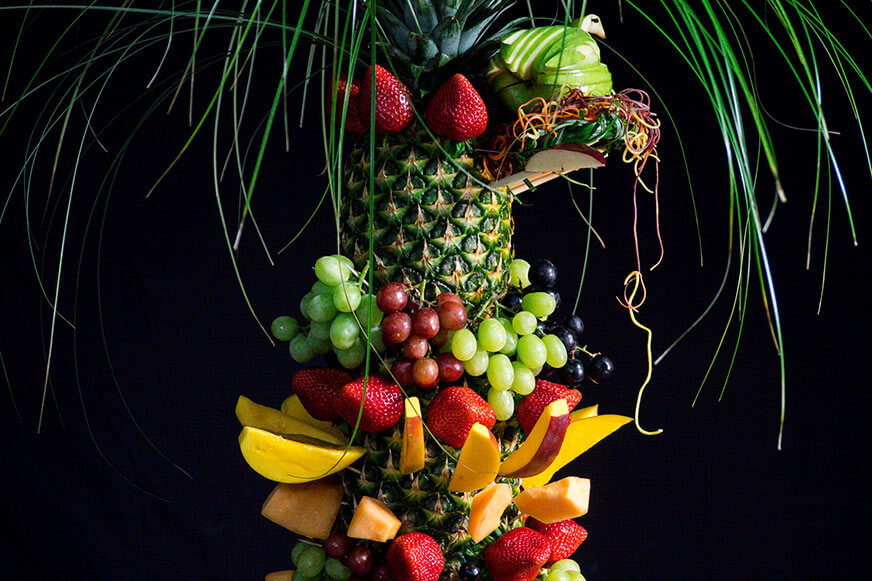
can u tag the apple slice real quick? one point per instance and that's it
(561, 500)
(487, 510)
(581, 435)
(479, 461)
(294, 459)
(255, 415)
(541, 447)
(565, 158)
(412, 454)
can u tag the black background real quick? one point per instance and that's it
(94, 492)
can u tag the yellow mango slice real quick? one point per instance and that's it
(373, 521)
(286, 575)
(413, 452)
(292, 406)
(308, 509)
(541, 447)
(588, 412)
(266, 418)
(487, 509)
(567, 498)
(293, 459)
(479, 461)
(581, 435)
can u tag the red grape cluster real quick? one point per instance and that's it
(419, 332)
(358, 558)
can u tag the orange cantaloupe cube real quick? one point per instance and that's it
(286, 575)
(308, 509)
(561, 500)
(373, 521)
(487, 509)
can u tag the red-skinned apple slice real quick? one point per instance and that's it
(412, 454)
(542, 445)
(478, 463)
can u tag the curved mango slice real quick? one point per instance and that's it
(293, 459)
(581, 436)
(292, 406)
(479, 461)
(266, 418)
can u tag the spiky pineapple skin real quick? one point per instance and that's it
(435, 226)
(421, 500)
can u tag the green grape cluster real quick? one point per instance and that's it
(564, 570)
(312, 563)
(341, 317)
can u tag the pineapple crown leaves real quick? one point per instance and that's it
(430, 40)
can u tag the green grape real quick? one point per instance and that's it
(376, 339)
(311, 561)
(319, 288)
(502, 402)
(557, 576)
(346, 262)
(346, 296)
(491, 335)
(336, 570)
(317, 345)
(539, 303)
(297, 551)
(344, 331)
(331, 270)
(524, 323)
(304, 304)
(368, 312)
(300, 350)
(524, 382)
(353, 356)
(500, 372)
(321, 308)
(519, 273)
(511, 337)
(477, 364)
(557, 355)
(284, 328)
(298, 576)
(464, 345)
(320, 330)
(532, 351)
(567, 565)
(575, 576)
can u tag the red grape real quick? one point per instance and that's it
(452, 315)
(412, 307)
(443, 298)
(402, 371)
(450, 367)
(440, 339)
(396, 327)
(359, 560)
(415, 347)
(380, 573)
(425, 323)
(425, 372)
(337, 545)
(392, 297)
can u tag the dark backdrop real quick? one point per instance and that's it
(137, 475)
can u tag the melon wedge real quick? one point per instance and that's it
(266, 418)
(561, 500)
(373, 521)
(487, 510)
(292, 406)
(565, 158)
(413, 452)
(541, 447)
(583, 433)
(478, 463)
(286, 575)
(308, 509)
(293, 459)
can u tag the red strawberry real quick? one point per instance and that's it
(415, 557)
(393, 102)
(530, 407)
(353, 124)
(454, 410)
(382, 408)
(457, 111)
(317, 387)
(564, 537)
(517, 555)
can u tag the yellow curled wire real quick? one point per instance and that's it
(636, 278)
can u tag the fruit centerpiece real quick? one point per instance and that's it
(440, 391)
